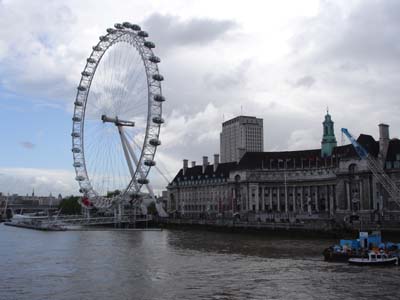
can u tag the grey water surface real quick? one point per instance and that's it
(177, 264)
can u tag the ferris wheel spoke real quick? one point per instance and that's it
(133, 79)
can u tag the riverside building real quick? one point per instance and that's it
(330, 183)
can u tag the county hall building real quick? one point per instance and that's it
(330, 183)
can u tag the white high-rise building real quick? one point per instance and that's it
(240, 135)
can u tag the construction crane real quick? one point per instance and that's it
(376, 168)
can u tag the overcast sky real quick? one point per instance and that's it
(283, 61)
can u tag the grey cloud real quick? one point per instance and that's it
(306, 81)
(230, 79)
(27, 145)
(171, 31)
(37, 61)
(368, 34)
(353, 52)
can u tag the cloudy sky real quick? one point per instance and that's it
(283, 61)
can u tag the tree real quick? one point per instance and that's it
(113, 193)
(70, 206)
(151, 209)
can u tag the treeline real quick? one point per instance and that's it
(70, 206)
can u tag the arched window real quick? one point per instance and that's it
(352, 168)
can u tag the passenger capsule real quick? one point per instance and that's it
(159, 98)
(111, 30)
(158, 77)
(76, 119)
(118, 26)
(82, 88)
(158, 120)
(76, 150)
(149, 163)
(143, 181)
(76, 134)
(79, 178)
(127, 24)
(97, 48)
(143, 34)
(77, 164)
(83, 190)
(78, 103)
(135, 27)
(91, 60)
(154, 59)
(149, 44)
(103, 38)
(86, 73)
(155, 142)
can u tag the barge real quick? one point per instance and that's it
(38, 226)
(360, 248)
(33, 222)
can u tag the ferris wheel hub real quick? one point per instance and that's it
(117, 121)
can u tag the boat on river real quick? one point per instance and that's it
(375, 259)
(359, 248)
(34, 222)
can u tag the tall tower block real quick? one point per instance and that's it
(240, 135)
(328, 138)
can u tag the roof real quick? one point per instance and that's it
(259, 160)
(222, 171)
(241, 118)
(393, 150)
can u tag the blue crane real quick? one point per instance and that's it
(376, 168)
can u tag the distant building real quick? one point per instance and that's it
(32, 200)
(324, 184)
(240, 135)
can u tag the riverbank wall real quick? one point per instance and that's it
(313, 228)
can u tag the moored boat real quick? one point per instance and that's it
(358, 248)
(37, 223)
(375, 259)
(338, 254)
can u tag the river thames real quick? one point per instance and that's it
(177, 264)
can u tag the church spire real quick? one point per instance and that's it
(328, 138)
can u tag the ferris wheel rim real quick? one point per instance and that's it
(131, 34)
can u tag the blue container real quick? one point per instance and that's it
(374, 240)
(354, 244)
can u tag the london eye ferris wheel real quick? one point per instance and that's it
(117, 117)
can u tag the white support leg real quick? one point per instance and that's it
(124, 147)
(125, 142)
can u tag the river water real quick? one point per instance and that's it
(176, 264)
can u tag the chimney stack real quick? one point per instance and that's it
(193, 163)
(185, 166)
(216, 162)
(205, 163)
(383, 141)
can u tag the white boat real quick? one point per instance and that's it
(34, 222)
(375, 259)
